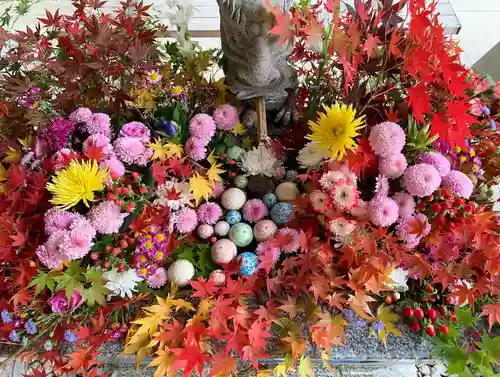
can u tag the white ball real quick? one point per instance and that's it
(223, 251)
(218, 277)
(287, 191)
(205, 231)
(233, 198)
(222, 228)
(181, 272)
(264, 230)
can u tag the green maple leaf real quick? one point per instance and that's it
(95, 294)
(43, 280)
(205, 263)
(69, 283)
(93, 275)
(187, 253)
(491, 346)
(465, 318)
(74, 268)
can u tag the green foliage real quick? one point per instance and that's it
(199, 256)
(463, 355)
(43, 280)
(418, 139)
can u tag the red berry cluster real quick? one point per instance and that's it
(113, 254)
(126, 192)
(429, 318)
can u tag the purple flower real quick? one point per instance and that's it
(170, 127)
(59, 303)
(13, 336)
(56, 135)
(360, 322)
(377, 326)
(6, 316)
(493, 125)
(70, 336)
(349, 315)
(30, 327)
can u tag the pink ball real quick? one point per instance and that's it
(218, 277)
(205, 231)
(264, 230)
(223, 251)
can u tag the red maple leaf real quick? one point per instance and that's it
(371, 44)
(393, 44)
(22, 297)
(419, 101)
(93, 152)
(458, 111)
(493, 313)
(258, 332)
(189, 358)
(16, 177)
(24, 275)
(158, 171)
(19, 239)
(252, 354)
(82, 359)
(173, 335)
(284, 24)
(236, 342)
(180, 168)
(418, 226)
(464, 294)
(363, 159)
(203, 288)
(314, 32)
(241, 316)
(223, 366)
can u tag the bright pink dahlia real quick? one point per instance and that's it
(254, 210)
(421, 180)
(383, 211)
(137, 130)
(226, 117)
(459, 184)
(437, 160)
(158, 279)
(56, 135)
(387, 138)
(186, 220)
(80, 115)
(195, 149)
(202, 126)
(115, 167)
(392, 166)
(132, 151)
(209, 213)
(99, 141)
(405, 202)
(106, 217)
(98, 123)
(217, 190)
(289, 239)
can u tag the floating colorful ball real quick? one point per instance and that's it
(223, 251)
(233, 217)
(269, 199)
(222, 228)
(241, 234)
(249, 263)
(233, 198)
(281, 213)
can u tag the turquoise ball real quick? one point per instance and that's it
(269, 199)
(249, 263)
(281, 213)
(233, 217)
(241, 234)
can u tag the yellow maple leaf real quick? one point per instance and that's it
(200, 187)
(239, 129)
(3, 173)
(163, 151)
(325, 357)
(13, 155)
(163, 361)
(203, 312)
(214, 173)
(359, 303)
(222, 89)
(389, 319)
(305, 367)
(285, 366)
(27, 141)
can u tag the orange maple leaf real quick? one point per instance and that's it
(359, 303)
(493, 313)
(284, 24)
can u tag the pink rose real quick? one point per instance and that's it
(136, 130)
(59, 303)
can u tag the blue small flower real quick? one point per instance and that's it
(47, 346)
(6, 317)
(170, 127)
(13, 336)
(349, 315)
(493, 125)
(377, 326)
(70, 336)
(360, 322)
(486, 110)
(30, 327)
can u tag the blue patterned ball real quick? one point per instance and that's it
(249, 263)
(269, 199)
(233, 217)
(281, 213)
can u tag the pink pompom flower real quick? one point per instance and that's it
(459, 184)
(202, 126)
(421, 180)
(254, 210)
(158, 278)
(405, 202)
(137, 130)
(132, 151)
(195, 149)
(267, 251)
(186, 220)
(98, 123)
(56, 219)
(209, 213)
(289, 239)
(106, 217)
(387, 138)
(392, 166)
(225, 117)
(80, 115)
(383, 211)
(115, 167)
(217, 190)
(441, 163)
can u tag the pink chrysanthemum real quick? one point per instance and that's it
(132, 151)
(226, 117)
(341, 227)
(217, 190)
(421, 180)
(137, 130)
(406, 203)
(195, 149)
(106, 217)
(289, 239)
(331, 179)
(50, 258)
(387, 138)
(267, 250)
(405, 229)
(381, 186)
(75, 245)
(56, 135)
(345, 197)
(186, 220)
(392, 166)
(209, 213)
(202, 126)
(476, 108)
(80, 115)
(158, 279)
(56, 219)
(437, 160)
(115, 167)
(319, 201)
(383, 211)
(361, 210)
(254, 210)
(84, 227)
(99, 141)
(98, 123)
(459, 184)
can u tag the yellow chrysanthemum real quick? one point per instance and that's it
(77, 182)
(336, 129)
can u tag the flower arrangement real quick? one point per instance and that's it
(147, 215)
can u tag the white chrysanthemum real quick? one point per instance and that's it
(399, 278)
(121, 283)
(311, 156)
(341, 227)
(165, 191)
(260, 161)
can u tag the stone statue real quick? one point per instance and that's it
(256, 63)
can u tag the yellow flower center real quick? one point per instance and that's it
(142, 258)
(463, 158)
(143, 271)
(475, 168)
(160, 237)
(159, 255)
(458, 149)
(472, 153)
(154, 76)
(176, 90)
(148, 244)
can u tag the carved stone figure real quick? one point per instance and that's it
(256, 63)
